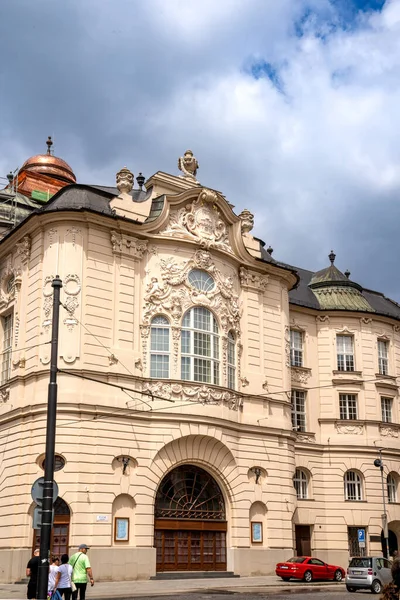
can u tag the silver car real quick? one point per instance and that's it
(368, 572)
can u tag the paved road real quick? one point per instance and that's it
(295, 594)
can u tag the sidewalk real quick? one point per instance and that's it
(130, 589)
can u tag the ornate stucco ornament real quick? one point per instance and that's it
(357, 429)
(173, 296)
(247, 219)
(188, 165)
(194, 393)
(387, 431)
(124, 179)
(127, 245)
(300, 375)
(250, 279)
(200, 222)
(24, 249)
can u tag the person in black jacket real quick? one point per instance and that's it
(32, 572)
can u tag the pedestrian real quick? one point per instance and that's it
(53, 570)
(396, 571)
(63, 581)
(81, 570)
(32, 572)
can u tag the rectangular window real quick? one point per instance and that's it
(296, 348)
(348, 406)
(383, 360)
(299, 410)
(345, 353)
(7, 348)
(386, 408)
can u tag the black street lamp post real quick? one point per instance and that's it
(378, 462)
(47, 505)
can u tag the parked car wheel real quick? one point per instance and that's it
(308, 576)
(338, 575)
(350, 589)
(286, 578)
(376, 587)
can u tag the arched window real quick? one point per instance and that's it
(391, 488)
(352, 486)
(200, 346)
(231, 360)
(159, 347)
(300, 482)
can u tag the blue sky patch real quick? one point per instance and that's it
(260, 68)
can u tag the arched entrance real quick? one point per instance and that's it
(393, 545)
(60, 532)
(190, 524)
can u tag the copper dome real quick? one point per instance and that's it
(47, 164)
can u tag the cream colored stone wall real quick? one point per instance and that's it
(116, 276)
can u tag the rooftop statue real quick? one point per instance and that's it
(188, 165)
(124, 180)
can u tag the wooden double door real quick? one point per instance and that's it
(188, 550)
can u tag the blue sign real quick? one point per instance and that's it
(361, 535)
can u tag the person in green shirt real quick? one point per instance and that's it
(81, 570)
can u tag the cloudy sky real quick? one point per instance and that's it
(291, 108)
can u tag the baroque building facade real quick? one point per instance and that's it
(218, 410)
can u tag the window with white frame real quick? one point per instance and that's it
(300, 482)
(348, 406)
(299, 410)
(386, 409)
(159, 347)
(7, 323)
(352, 486)
(201, 280)
(383, 357)
(391, 488)
(200, 346)
(296, 348)
(231, 360)
(345, 352)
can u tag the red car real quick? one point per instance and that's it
(308, 568)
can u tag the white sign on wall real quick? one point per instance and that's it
(102, 518)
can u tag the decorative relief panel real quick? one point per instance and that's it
(287, 346)
(72, 288)
(300, 375)
(305, 438)
(252, 280)
(388, 431)
(357, 429)
(173, 296)
(194, 393)
(4, 394)
(126, 245)
(201, 222)
(24, 249)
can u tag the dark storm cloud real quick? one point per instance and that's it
(130, 82)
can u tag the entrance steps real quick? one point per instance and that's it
(194, 575)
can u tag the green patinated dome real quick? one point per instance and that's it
(335, 291)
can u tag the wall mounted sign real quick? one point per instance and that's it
(102, 518)
(121, 529)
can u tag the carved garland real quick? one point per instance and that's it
(249, 279)
(173, 296)
(127, 245)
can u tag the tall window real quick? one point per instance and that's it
(352, 486)
(391, 488)
(7, 348)
(300, 482)
(200, 346)
(345, 352)
(299, 410)
(231, 359)
(383, 360)
(296, 348)
(386, 408)
(159, 347)
(348, 406)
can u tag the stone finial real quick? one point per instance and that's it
(124, 180)
(188, 165)
(332, 257)
(49, 145)
(247, 219)
(347, 273)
